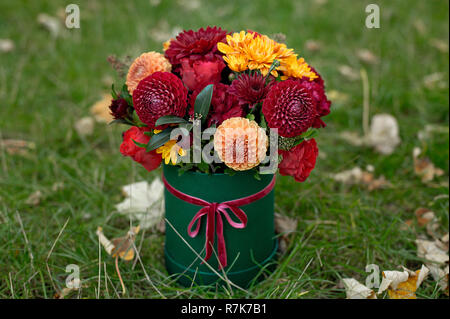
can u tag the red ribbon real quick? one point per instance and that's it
(215, 210)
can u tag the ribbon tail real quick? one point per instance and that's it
(222, 251)
(210, 231)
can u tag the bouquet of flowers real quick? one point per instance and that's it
(221, 102)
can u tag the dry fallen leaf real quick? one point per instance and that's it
(100, 110)
(367, 56)
(338, 97)
(440, 276)
(144, 202)
(348, 72)
(439, 44)
(383, 135)
(17, 147)
(34, 199)
(313, 45)
(435, 80)
(424, 168)
(123, 246)
(85, 126)
(402, 284)
(356, 290)
(357, 176)
(284, 226)
(6, 45)
(433, 251)
(52, 24)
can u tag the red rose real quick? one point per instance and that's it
(199, 73)
(150, 160)
(299, 161)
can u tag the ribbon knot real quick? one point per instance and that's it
(213, 212)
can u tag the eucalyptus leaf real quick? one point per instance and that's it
(159, 139)
(170, 119)
(203, 102)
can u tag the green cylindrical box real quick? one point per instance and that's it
(249, 249)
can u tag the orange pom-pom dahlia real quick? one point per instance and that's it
(240, 143)
(145, 65)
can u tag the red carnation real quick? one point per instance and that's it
(300, 160)
(159, 94)
(290, 107)
(250, 88)
(195, 45)
(223, 105)
(150, 160)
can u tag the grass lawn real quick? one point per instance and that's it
(47, 84)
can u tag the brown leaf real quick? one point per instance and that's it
(6, 45)
(439, 44)
(34, 199)
(348, 72)
(313, 45)
(357, 176)
(123, 246)
(367, 56)
(424, 216)
(284, 226)
(85, 126)
(356, 290)
(402, 284)
(424, 168)
(100, 109)
(17, 147)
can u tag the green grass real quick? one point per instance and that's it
(46, 84)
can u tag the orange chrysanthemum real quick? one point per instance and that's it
(251, 51)
(240, 143)
(145, 65)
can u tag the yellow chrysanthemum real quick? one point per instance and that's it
(248, 51)
(170, 151)
(297, 69)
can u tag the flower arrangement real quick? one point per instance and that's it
(221, 102)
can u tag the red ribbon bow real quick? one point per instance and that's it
(215, 210)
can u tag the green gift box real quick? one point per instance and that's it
(250, 250)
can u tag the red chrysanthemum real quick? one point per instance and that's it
(299, 161)
(223, 105)
(290, 108)
(159, 94)
(250, 88)
(150, 160)
(195, 45)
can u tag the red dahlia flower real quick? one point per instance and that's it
(195, 45)
(290, 107)
(223, 105)
(317, 89)
(250, 88)
(194, 55)
(150, 160)
(159, 94)
(300, 160)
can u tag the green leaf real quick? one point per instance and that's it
(113, 92)
(251, 117)
(188, 126)
(229, 171)
(159, 139)
(139, 144)
(120, 121)
(204, 167)
(137, 120)
(309, 134)
(170, 119)
(203, 102)
(257, 176)
(263, 121)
